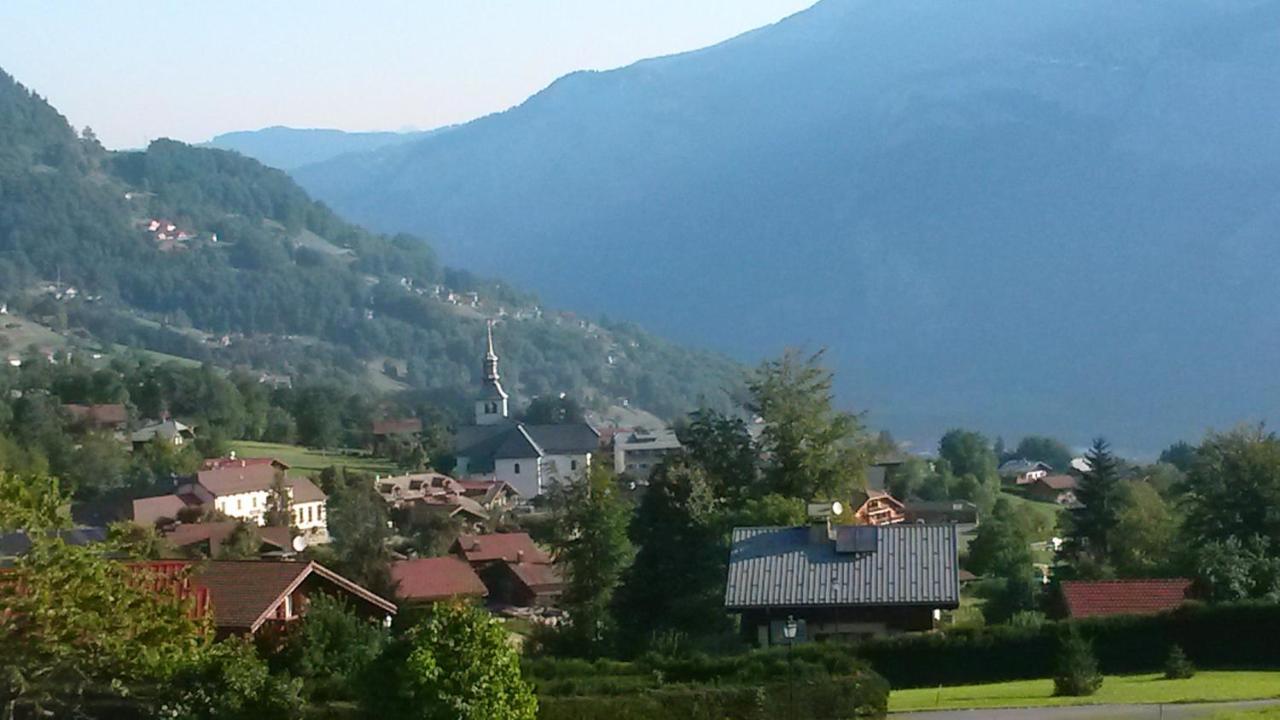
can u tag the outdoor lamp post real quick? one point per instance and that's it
(790, 629)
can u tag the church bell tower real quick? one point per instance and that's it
(491, 408)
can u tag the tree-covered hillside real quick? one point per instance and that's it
(1019, 214)
(209, 255)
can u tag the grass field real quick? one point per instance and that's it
(309, 461)
(1209, 686)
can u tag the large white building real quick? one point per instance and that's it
(638, 452)
(530, 458)
(242, 489)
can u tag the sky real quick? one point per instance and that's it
(190, 70)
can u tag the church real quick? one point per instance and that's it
(530, 458)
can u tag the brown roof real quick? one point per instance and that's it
(500, 546)
(234, 479)
(453, 504)
(537, 576)
(397, 426)
(305, 491)
(146, 511)
(1059, 482)
(216, 533)
(1123, 597)
(226, 462)
(108, 414)
(431, 579)
(243, 593)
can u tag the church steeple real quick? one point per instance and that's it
(491, 408)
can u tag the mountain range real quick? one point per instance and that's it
(200, 254)
(1016, 215)
(289, 148)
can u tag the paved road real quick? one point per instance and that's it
(1091, 712)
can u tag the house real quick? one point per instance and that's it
(939, 512)
(876, 507)
(241, 488)
(530, 458)
(251, 597)
(1102, 598)
(423, 495)
(493, 495)
(14, 545)
(514, 569)
(112, 417)
(841, 582)
(1023, 472)
(206, 539)
(430, 580)
(388, 430)
(1060, 489)
(171, 432)
(638, 452)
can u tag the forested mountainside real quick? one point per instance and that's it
(1013, 214)
(208, 255)
(288, 148)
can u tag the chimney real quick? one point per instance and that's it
(820, 528)
(519, 557)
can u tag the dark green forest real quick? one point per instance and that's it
(269, 280)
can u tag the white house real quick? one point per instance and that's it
(638, 452)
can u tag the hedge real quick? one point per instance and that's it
(863, 696)
(1237, 636)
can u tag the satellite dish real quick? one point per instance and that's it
(299, 544)
(836, 508)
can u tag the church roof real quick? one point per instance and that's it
(517, 440)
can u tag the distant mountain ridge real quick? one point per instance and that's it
(287, 148)
(1019, 215)
(207, 255)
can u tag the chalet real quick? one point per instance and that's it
(250, 597)
(530, 458)
(1023, 472)
(423, 495)
(111, 417)
(241, 489)
(493, 495)
(430, 580)
(638, 452)
(876, 507)
(170, 432)
(1060, 489)
(1081, 599)
(390, 429)
(841, 582)
(514, 569)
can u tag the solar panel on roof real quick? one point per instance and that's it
(857, 539)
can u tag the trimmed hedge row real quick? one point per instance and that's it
(863, 696)
(1232, 636)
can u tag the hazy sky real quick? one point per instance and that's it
(135, 71)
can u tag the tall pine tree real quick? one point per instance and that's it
(1100, 495)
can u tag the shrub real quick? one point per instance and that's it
(1178, 667)
(1077, 672)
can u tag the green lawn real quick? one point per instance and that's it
(305, 460)
(1208, 686)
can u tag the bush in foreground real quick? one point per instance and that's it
(1178, 666)
(1077, 669)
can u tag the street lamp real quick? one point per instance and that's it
(790, 629)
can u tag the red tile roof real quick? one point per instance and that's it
(242, 594)
(216, 533)
(432, 579)
(235, 479)
(226, 462)
(500, 546)
(1123, 597)
(305, 491)
(1059, 482)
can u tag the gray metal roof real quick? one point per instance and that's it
(780, 567)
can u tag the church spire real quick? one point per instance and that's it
(491, 359)
(491, 408)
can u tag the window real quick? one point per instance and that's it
(573, 464)
(517, 468)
